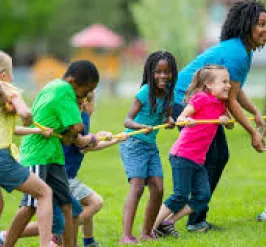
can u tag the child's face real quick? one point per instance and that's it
(220, 86)
(258, 32)
(162, 74)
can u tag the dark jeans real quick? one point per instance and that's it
(191, 185)
(216, 159)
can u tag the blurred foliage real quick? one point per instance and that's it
(51, 23)
(24, 19)
(175, 25)
(74, 15)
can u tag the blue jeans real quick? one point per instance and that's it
(191, 186)
(216, 159)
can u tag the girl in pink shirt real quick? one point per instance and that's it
(206, 98)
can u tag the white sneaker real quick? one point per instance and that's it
(2, 237)
(262, 216)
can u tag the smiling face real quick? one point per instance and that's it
(220, 86)
(162, 74)
(258, 32)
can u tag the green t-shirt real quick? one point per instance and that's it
(55, 107)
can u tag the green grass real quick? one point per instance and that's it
(239, 197)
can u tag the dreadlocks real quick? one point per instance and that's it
(241, 18)
(148, 78)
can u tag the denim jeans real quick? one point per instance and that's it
(191, 186)
(216, 159)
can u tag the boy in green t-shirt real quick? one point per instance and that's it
(56, 107)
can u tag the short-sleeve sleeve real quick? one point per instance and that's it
(238, 66)
(199, 100)
(143, 94)
(67, 111)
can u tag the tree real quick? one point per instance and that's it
(174, 25)
(24, 19)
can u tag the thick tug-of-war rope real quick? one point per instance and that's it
(162, 126)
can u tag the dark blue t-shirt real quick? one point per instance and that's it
(73, 157)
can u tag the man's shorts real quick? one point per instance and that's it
(12, 174)
(55, 176)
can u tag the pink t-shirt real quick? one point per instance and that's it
(194, 142)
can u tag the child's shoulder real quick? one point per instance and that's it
(143, 92)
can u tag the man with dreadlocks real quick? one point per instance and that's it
(243, 32)
(140, 155)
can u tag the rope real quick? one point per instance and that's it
(202, 121)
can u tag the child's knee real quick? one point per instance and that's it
(137, 189)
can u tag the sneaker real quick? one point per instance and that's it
(57, 239)
(2, 238)
(52, 244)
(129, 240)
(262, 216)
(203, 227)
(94, 244)
(165, 229)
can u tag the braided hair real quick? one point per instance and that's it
(83, 71)
(148, 78)
(241, 17)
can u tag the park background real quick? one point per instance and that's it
(44, 36)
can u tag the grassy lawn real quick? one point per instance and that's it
(240, 196)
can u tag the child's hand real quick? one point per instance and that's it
(224, 121)
(148, 129)
(171, 123)
(47, 133)
(94, 140)
(189, 121)
(123, 136)
(106, 134)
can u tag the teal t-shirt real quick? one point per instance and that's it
(55, 107)
(144, 116)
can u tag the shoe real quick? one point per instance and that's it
(203, 227)
(2, 238)
(129, 240)
(164, 230)
(262, 216)
(52, 244)
(57, 239)
(94, 244)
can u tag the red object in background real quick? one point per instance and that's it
(97, 35)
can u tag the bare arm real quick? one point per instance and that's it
(101, 145)
(130, 123)
(20, 130)
(248, 106)
(22, 110)
(235, 108)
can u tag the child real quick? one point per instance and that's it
(89, 199)
(140, 154)
(242, 33)
(12, 174)
(56, 107)
(206, 98)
